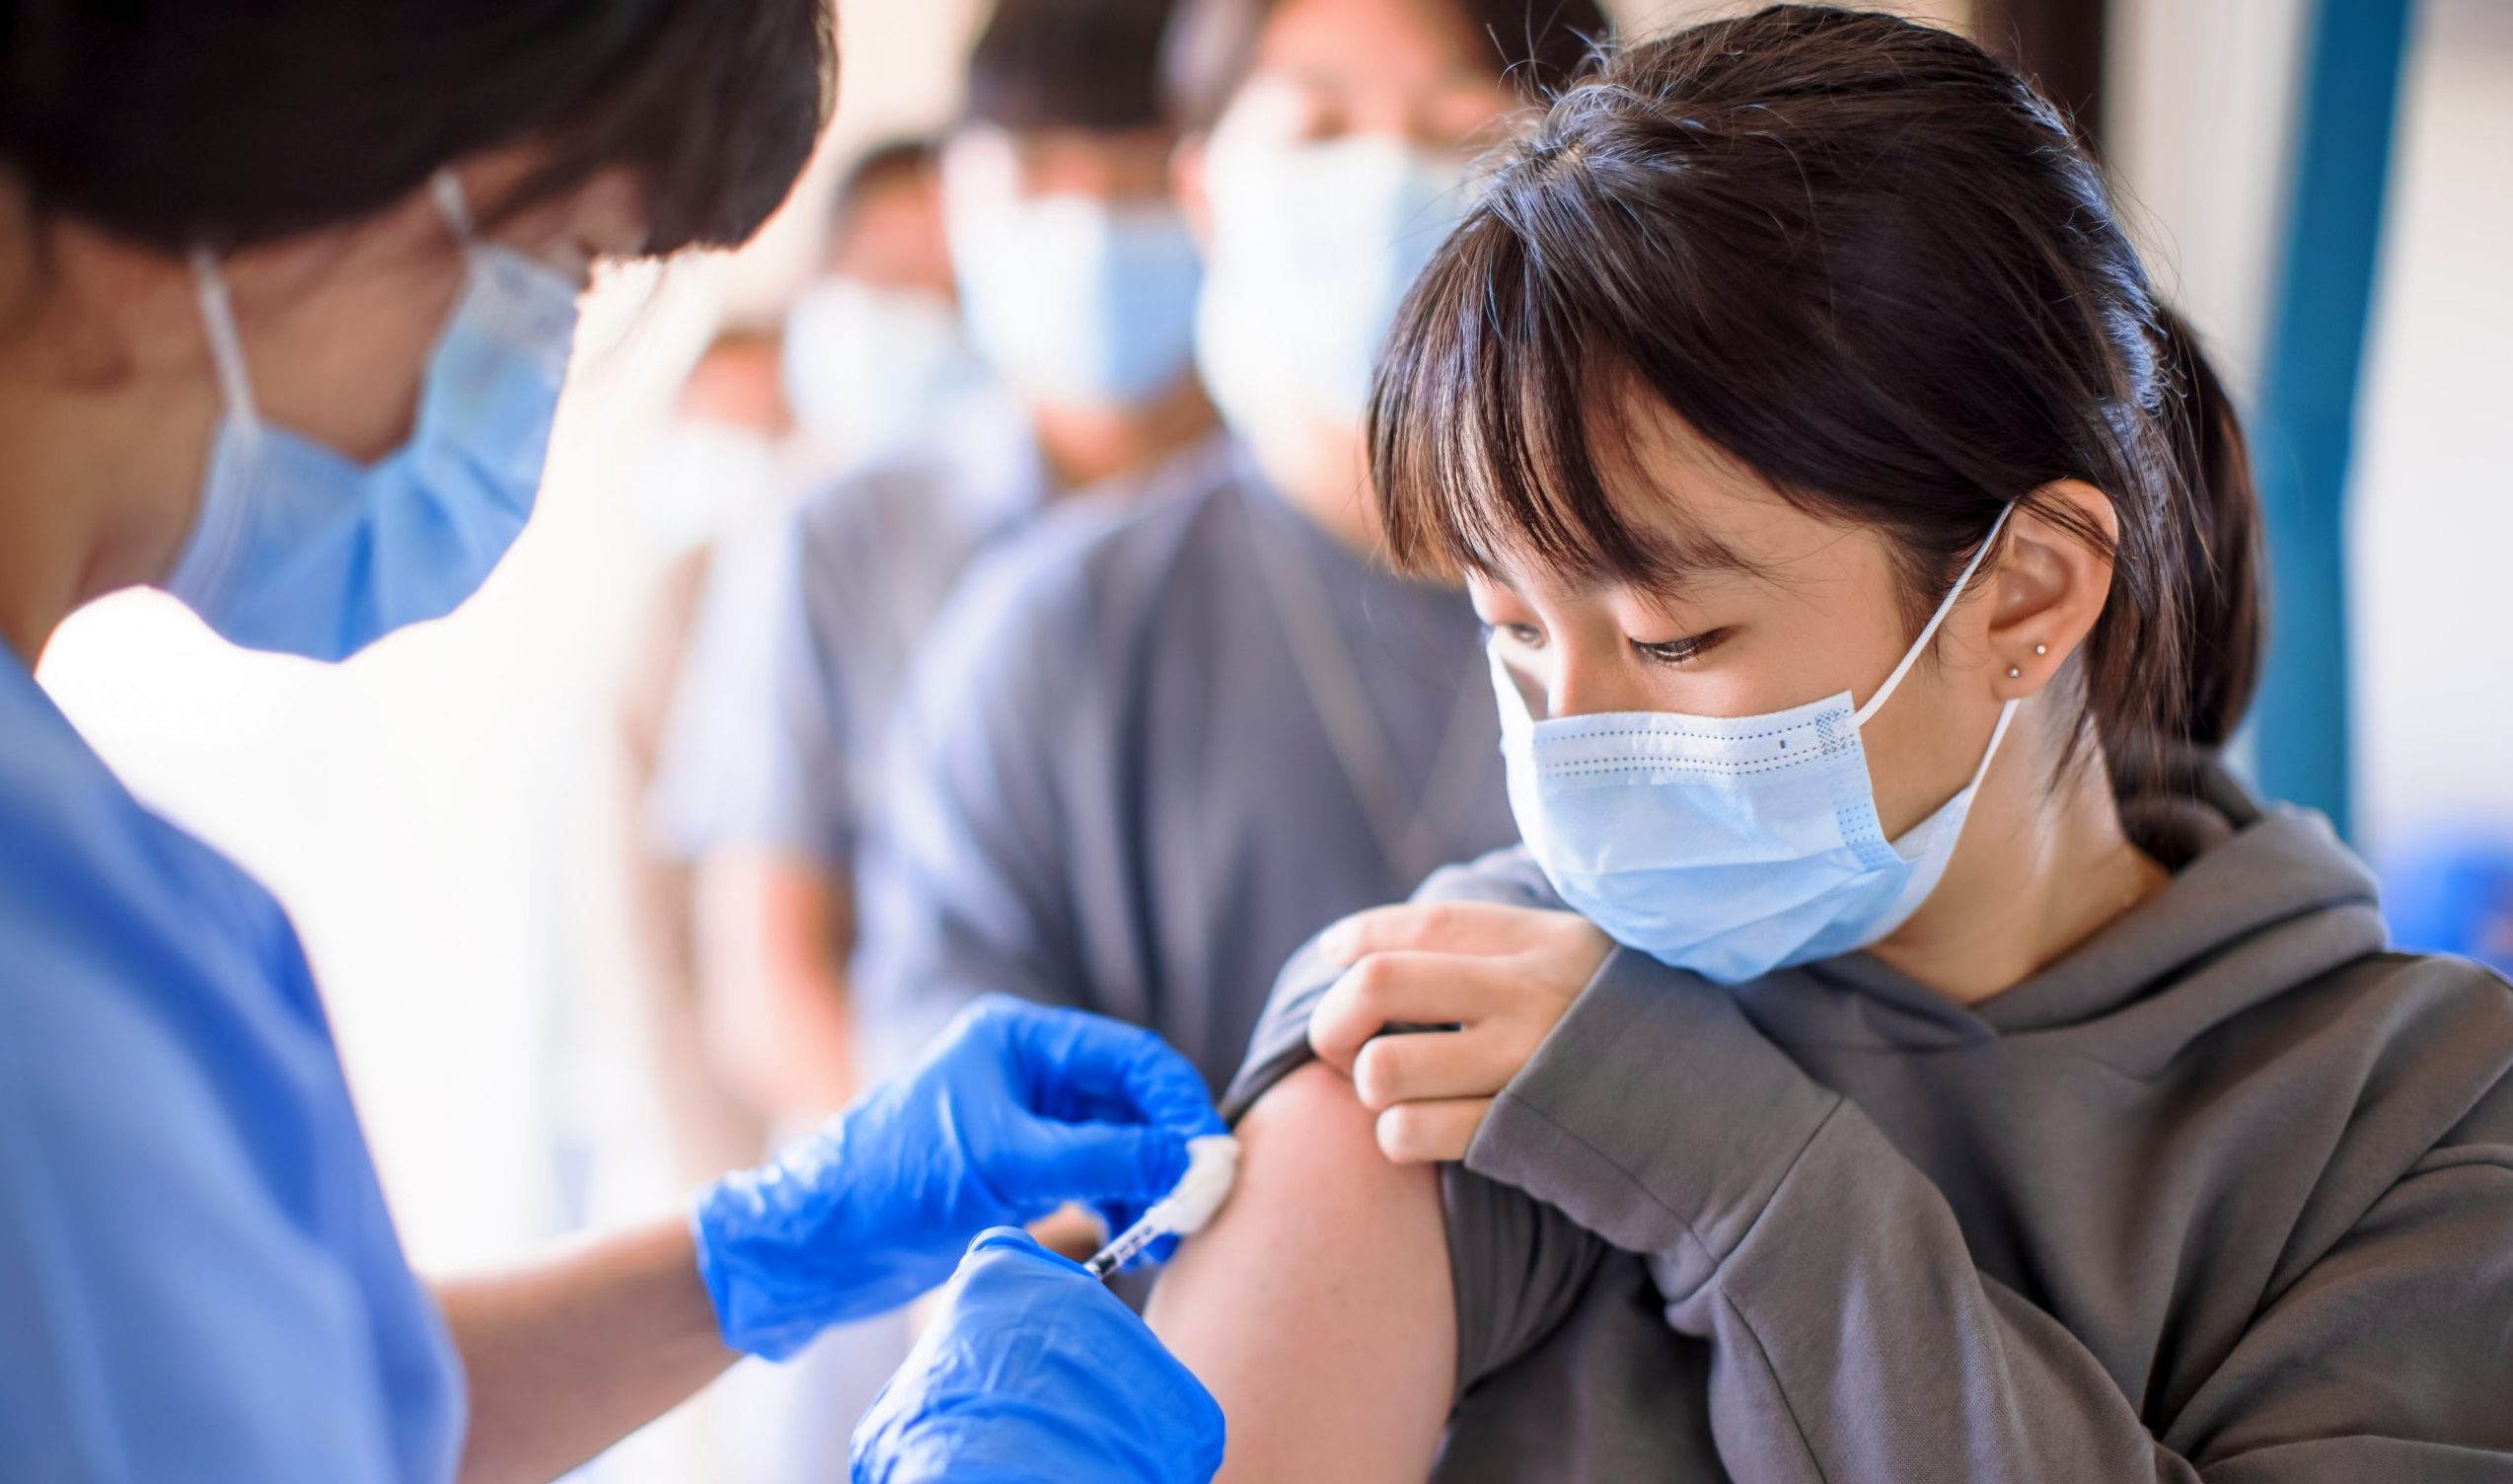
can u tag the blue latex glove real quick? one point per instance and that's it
(1034, 1372)
(1015, 1111)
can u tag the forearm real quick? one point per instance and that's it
(570, 1353)
(774, 933)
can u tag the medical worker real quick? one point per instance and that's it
(287, 295)
(1152, 750)
(1077, 279)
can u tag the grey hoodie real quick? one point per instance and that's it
(2226, 1193)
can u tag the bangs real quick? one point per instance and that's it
(1512, 397)
(715, 112)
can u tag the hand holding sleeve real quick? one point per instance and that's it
(1856, 1339)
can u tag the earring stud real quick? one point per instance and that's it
(2015, 674)
(2041, 649)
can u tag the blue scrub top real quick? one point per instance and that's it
(198, 1278)
(1118, 783)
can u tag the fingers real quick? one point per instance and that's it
(1051, 1163)
(1485, 928)
(1409, 988)
(1006, 1239)
(1434, 1065)
(1430, 1133)
(1001, 1248)
(1074, 1064)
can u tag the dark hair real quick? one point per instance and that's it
(1092, 65)
(1867, 262)
(234, 123)
(893, 162)
(1540, 44)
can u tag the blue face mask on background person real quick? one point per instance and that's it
(1076, 298)
(1729, 845)
(1313, 249)
(872, 371)
(301, 550)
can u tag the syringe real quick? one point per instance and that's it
(1212, 1164)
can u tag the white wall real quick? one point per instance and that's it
(2431, 542)
(2199, 104)
(2204, 96)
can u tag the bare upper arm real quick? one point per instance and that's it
(1318, 1308)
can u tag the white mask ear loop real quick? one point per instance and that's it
(226, 347)
(1928, 631)
(447, 190)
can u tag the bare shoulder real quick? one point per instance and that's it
(1318, 1308)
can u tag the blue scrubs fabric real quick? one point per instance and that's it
(1115, 788)
(198, 1278)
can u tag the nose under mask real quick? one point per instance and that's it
(1076, 299)
(1729, 846)
(300, 550)
(1313, 249)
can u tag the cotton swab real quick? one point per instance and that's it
(1212, 1164)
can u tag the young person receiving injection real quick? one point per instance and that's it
(1943, 1070)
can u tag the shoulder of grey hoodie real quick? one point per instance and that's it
(2283, 1247)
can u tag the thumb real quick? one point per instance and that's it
(1100, 1161)
(999, 1244)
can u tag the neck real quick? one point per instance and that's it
(1320, 472)
(1086, 444)
(84, 507)
(2038, 872)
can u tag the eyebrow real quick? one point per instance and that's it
(1687, 556)
(1669, 563)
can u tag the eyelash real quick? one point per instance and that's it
(1665, 652)
(1681, 651)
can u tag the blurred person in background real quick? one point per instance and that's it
(1150, 751)
(288, 296)
(1047, 212)
(1077, 277)
(876, 357)
(873, 363)
(869, 358)
(724, 456)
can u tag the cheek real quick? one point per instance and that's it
(348, 357)
(1922, 748)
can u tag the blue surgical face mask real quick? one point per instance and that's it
(1729, 845)
(301, 550)
(699, 479)
(1076, 299)
(872, 371)
(1313, 249)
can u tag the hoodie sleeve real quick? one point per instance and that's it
(1854, 1338)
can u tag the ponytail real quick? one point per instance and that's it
(2218, 513)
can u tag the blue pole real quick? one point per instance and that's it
(2304, 424)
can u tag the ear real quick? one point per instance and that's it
(2051, 587)
(1187, 185)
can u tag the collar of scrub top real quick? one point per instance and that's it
(1287, 548)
